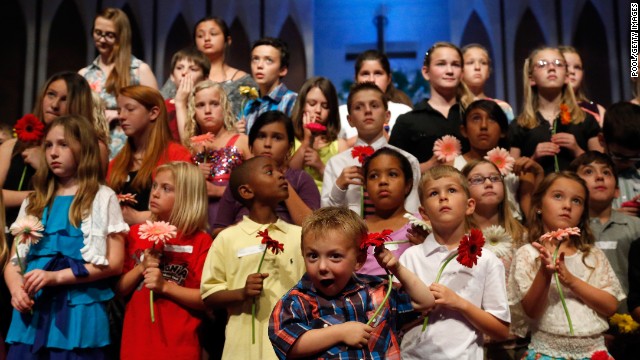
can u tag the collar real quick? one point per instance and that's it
(95, 63)
(431, 246)
(251, 227)
(425, 106)
(355, 284)
(615, 218)
(382, 141)
(277, 93)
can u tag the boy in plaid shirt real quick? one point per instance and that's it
(325, 314)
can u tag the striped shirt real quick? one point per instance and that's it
(303, 309)
(280, 98)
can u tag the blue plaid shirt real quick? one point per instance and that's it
(303, 309)
(281, 99)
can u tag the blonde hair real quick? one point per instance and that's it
(120, 75)
(579, 92)
(463, 94)
(81, 138)
(189, 213)
(101, 125)
(505, 216)
(335, 218)
(445, 171)
(527, 118)
(191, 126)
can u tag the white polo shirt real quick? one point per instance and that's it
(449, 334)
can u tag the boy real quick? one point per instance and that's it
(614, 231)
(188, 65)
(620, 134)
(325, 314)
(229, 279)
(343, 178)
(269, 65)
(470, 301)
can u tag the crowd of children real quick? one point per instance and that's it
(240, 219)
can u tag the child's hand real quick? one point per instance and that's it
(311, 158)
(20, 300)
(350, 175)
(417, 234)
(525, 164)
(355, 334)
(182, 92)
(253, 286)
(154, 281)
(241, 126)
(566, 140)
(151, 259)
(32, 156)
(545, 257)
(545, 149)
(564, 275)
(35, 280)
(307, 135)
(386, 259)
(631, 207)
(446, 297)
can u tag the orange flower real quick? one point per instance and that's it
(202, 139)
(565, 115)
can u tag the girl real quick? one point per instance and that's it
(60, 301)
(62, 94)
(272, 136)
(115, 67)
(589, 284)
(178, 196)
(388, 181)
(476, 72)
(373, 66)
(143, 118)
(433, 118)
(465, 307)
(317, 103)
(546, 93)
(210, 112)
(576, 76)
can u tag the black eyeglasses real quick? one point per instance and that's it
(479, 179)
(620, 158)
(107, 35)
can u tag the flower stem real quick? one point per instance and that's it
(384, 301)
(24, 172)
(22, 266)
(362, 202)
(446, 262)
(564, 304)
(153, 316)
(253, 305)
(556, 167)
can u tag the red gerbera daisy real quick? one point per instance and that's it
(470, 248)
(274, 245)
(600, 355)
(29, 128)
(362, 153)
(316, 128)
(376, 239)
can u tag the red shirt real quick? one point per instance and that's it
(173, 335)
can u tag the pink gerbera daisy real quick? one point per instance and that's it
(501, 159)
(447, 148)
(27, 230)
(157, 231)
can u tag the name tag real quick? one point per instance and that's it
(188, 249)
(606, 245)
(391, 247)
(256, 249)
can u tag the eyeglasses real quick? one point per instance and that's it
(542, 64)
(107, 35)
(620, 158)
(479, 179)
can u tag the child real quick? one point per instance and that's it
(6, 132)
(269, 65)
(576, 79)
(143, 118)
(590, 286)
(60, 302)
(475, 73)
(178, 196)
(620, 134)
(388, 181)
(373, 66)
(210, 112)
(343, 178)
(188, 67)
(325, 315)
(613, 231)
(272, 136)
(471, 301)
(416, 131)
(229, 278)
(317, 104)
(546, 93)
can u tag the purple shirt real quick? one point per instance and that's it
(371, 266)
(230, 211)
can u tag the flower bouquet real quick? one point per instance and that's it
(156, 232)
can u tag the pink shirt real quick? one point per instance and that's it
(371, 266)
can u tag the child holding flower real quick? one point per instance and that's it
(230, 277)
(327, 314)
(60, 300)
(540, 284)
(172, 271)
(552, 129)
(469, 301)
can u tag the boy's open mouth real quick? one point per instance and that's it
(326, 282)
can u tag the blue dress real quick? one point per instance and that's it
(64, 317)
